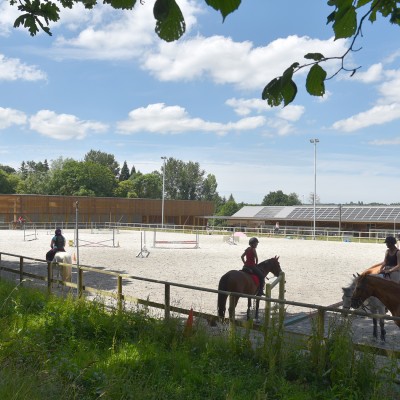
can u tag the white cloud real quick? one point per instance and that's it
(237, 63)
(385, 142)
(115, 34)
(374, 73)
(377, 115)
(9, 117)
(63, 126)
(162, 119)
(291, 112)
(12, 69)
(246, 106)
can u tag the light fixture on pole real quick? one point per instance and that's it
(314, 142)
(163, 193)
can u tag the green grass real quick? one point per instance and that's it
(53, 348)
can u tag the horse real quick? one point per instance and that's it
(243, 282)
(64, 271)
(371, 304)
(387, 291)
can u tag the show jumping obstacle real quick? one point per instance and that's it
(143, 253)
(30, 234)
(174, 244)
(101, 243)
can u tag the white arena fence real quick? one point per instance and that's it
(289, 232)
(181, 241)
(30, 232)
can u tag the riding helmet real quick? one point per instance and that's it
(57, 231)
(390, 240)
(253, 240)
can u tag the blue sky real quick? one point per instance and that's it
(104, 81)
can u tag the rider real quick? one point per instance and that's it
(57, 244)
(250, 261)
(391, 264)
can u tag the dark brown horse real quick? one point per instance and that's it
(387, 291)
(242, 282)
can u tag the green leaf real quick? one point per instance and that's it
(288, 74)
(226, 7)
(289, 92)
(173, 26)
(315, 81)
(314, 56)
(272, 92)
(119, 4)
(161, 9)
(345, 24)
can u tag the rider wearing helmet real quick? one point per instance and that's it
(250, 261)
(390, 266)
(57, 244)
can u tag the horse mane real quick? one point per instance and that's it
(387, 282)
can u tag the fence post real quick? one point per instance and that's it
(232, 325)
(119, 293)
(167, 300)
(321, 324)
(80, 282)
(21, 269)
(281, 297)
(49, 276)
(267, 316)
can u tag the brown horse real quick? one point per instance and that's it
(387, 291)
(242, 282)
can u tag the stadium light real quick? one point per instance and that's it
(163, 193)
(314, 142)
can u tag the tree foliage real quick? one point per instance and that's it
(8, 182)
(279, 198)
(346, 19)
(105, 159)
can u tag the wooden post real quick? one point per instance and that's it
(232, 325)
(281, 297)
(267, 316)
(119, 293)
(49, 276)
(21, 269)
(321, 324)
(80, 282)
(167, 301)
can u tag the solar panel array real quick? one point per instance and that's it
(361, 214)
(269, 212)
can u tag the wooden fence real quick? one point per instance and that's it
(120, 298)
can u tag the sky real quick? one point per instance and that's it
(105, 81)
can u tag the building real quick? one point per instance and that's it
(337, 217)
(49, 209)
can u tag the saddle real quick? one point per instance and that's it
(253, 275)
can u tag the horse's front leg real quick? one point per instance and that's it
(383, 330)
(375, 332)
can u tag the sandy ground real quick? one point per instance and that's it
(315, 270)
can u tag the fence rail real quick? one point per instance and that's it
(320, 311)
(289, 232)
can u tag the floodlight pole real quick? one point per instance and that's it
(314, 142)
(163, 193)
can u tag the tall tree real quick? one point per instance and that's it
(279, 198)
(124, 175)
(8, 182)
(105, 159)
(82, 178)
(147, 186)
(7, 169)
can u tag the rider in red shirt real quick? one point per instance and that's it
(250, 261)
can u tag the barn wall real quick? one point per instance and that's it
(43, 209)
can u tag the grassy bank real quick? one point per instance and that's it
(53, 348)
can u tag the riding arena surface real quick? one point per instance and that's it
(315, 271)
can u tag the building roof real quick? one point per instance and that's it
(322, 213)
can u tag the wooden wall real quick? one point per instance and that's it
(41, 209)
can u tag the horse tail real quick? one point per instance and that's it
(221, 296)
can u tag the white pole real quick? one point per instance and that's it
(315, 141)
(163, 193)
